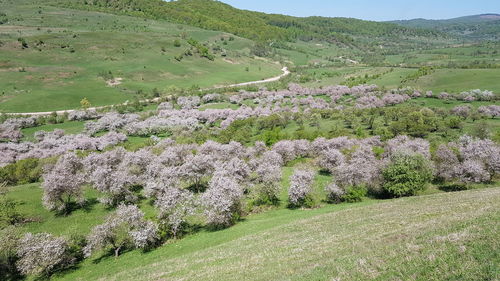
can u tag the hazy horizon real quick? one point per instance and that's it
(385, 10)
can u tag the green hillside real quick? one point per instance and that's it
(216, 15)
(438, 237)
(51, 58)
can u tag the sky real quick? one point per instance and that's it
(378, 10)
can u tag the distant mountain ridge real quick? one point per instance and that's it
(482, 26)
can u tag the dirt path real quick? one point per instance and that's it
(285, 73)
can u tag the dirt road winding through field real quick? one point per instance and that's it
(285, 73)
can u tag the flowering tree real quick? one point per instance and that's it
(406, 144)
(108, 175)
(491, 111)
(42, 253)
(222, 200)
(195, 168)
(63, 183)
(189, 102)
(462, 110)
(268, 182)
(301, 188)
(174, 206)
(125, 228)
(10, 134)
(335, 194)
(235, 168)
(481, 159)
(110, 122)
(361, 169)
(158, 184)
(286, 149)
(473, 171)
(448, 165)
(330, 159)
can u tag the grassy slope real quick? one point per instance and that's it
(451, 80)
(451, 236)
(57, 78)
(444, 236)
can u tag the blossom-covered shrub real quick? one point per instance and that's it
(110, 175)
(268, 182)
(222, 200)
(491, 111)
(42, 253)
(331, 159)
(301, 188)
(175, 206)
(335, 194)
(462, 110)
(124, 229)
(110, 122)
(189, 102)
(362, 169)
(63, 183)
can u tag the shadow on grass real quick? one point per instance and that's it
(89, 204)
(325, 173)
(453, 187)
(86, 206)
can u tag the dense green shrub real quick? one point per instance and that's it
(9, 238)
(406, 174)
(22, 172)
(8, 209)
(355, 194)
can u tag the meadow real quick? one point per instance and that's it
(356, 241)
(440, 80)
(71, 55)
(363, 241)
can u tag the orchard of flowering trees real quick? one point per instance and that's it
(214, 177)
(50, 144)
(188, 180)
(185, 116)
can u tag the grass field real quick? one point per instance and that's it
(437, 236)
(451, 55)
(450, 80)
(68, 51)
(451, 236)
(457, 80)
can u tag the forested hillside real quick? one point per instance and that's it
(216, 15)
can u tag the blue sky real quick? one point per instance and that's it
(378, 10)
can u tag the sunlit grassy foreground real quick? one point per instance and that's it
(445, 236)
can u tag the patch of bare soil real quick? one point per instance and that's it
(114, 82)
(230, 61)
